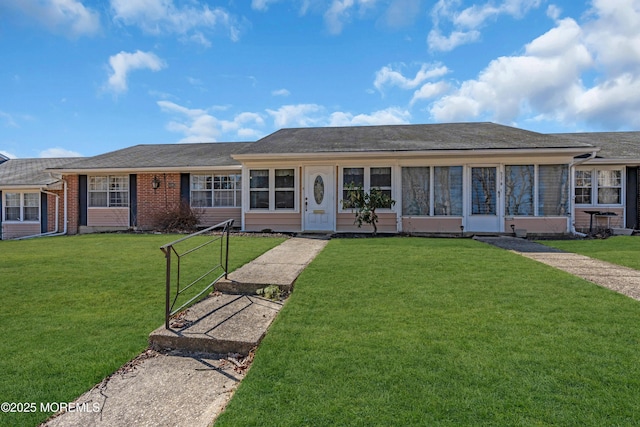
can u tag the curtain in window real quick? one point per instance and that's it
(609, 187)
(519, 189)
(415, 191)
(553, 190)
(483, 191)
(12, 207)
(583, 187)
(447, 190)
(32, 206)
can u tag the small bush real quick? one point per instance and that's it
(182, 218)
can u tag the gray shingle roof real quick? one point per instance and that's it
(30, 172)
(614, 145)
(452, 136)
(164, 156)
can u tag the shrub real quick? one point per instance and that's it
(181, 218)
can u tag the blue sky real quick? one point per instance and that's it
(84, 77)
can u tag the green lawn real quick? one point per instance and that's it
(75, 309)
(622, 250)
(410, 331)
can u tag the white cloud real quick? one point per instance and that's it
(280, 92)
(124, 62)
(300, 115)
(198, 125)
(68, 17)
(262, 5)
(429, 91)
(164, 17)
(388, 76)
(341, 11)
(401, 13)
(466, 23)
(388, 116)
(545, 78)
(8, 154)
(59, 152)
(585, 74)
(438, 42)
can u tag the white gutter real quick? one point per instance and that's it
(572, 219)
(326, 155)
(55, 231)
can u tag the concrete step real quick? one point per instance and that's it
(219, 324)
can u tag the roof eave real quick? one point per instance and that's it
(157, 169)
(604, 161)
(573, 151)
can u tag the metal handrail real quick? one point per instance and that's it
(223, 264)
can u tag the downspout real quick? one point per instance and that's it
(55, 231)
(572, 220)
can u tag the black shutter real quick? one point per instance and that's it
(43, 213)
(133, 200)
(185, 193)
(82, 200)
(632, 198)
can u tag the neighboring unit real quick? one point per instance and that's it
(445, 179)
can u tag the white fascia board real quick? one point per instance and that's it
(143, 170)
(23, 188)
(617, 162)
(412, 154)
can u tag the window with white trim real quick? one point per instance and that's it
(22, 207)
(367, 178)
(216, 190)
(109, 191)
(583, 187)
(598, 186)
(272, 189)
(432, 191)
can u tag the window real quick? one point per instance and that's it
(583, 187)
(381, 179)
(432, 191)
(519, 190)
(109, 191)
(259, 189)
(284, 188)
(447, 190)
(22, 207)
(218, 190)
(31, 210)
(483, 190)
(609, 187)
(367, 178)
(553, 190)
(604, 186)
(351, 177)
(415, 191)
(272, 189)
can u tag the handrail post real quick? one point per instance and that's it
(167, 307)
(226, 257)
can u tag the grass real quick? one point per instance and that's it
(408, 331)
(621, 250)
(75, 309)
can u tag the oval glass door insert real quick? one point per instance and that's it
(318, 190)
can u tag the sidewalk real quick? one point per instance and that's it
(621, 279)
(184, 387)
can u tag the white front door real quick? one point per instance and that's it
(484, 207)
(319, 199)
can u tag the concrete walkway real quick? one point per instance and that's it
(615, 277)
(191, 386)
